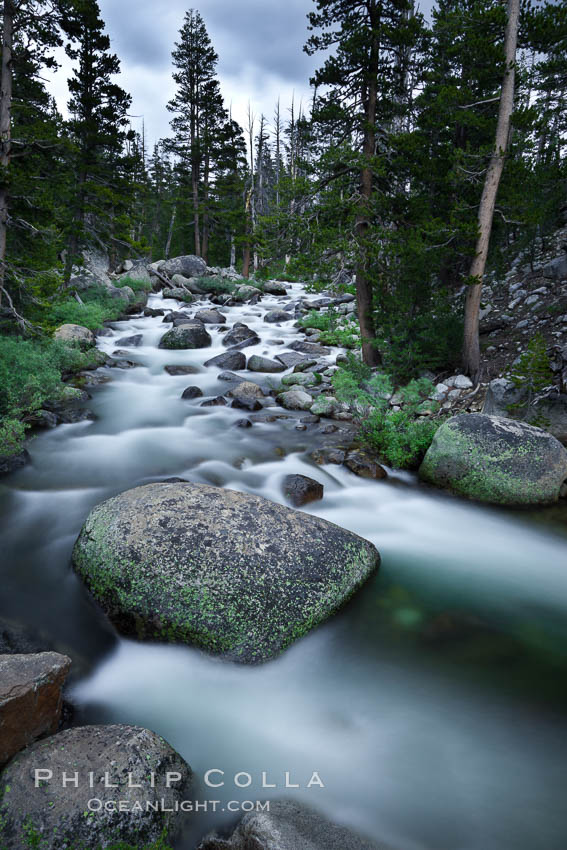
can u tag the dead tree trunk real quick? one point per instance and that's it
(471, 342)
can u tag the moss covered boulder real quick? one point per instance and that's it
(187, 335)
(232, 573)
(496, 460)
(124, 785)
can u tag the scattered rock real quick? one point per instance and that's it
(289, 826)
(233, 573)
(243, 423)
(274, 316)
(210, 317)
(242, 403)
(246, 389)
(179, 294)
(190, 335)
(310, 348)
(362, 465)
(295, 400)
(241, 336)
(191, 393)
(133, 341)
(300, 490)
(30, 699)
(328, 454)
(126, 755)
(230, 360)
(256, 363)
(292, 358)
(274, 287)
(300, 379)
(219, 401)
(325, 405)
(181, 370)
(496, 460)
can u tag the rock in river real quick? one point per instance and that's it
(188, 266)
(233, 573)
(289, 826)
(190, 335)
(295, 400)
(30, 698)
(256, 363)
(119, 756)
(300, 490)
(496, 460)
(229, 360)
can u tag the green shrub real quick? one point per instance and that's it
(335, 328)
(134, 284)
(97, 307)
(532, 373)
(216, 285)
(401, 438)
(12, 434)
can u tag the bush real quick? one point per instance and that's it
(30, 375)
(134, 284)
(98, 307)
(401, 438)
(216, 285)
(335, 328)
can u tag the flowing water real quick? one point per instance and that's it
(433, 706)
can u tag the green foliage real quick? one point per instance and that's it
(31, 374)
(401, 437)
(335, 328)
(216, 285)
(98, 307)
(531, 373)
(134, 284)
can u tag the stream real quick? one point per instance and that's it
(433, 706)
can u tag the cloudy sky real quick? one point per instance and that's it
(259, 43)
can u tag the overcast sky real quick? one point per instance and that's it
(259, 43)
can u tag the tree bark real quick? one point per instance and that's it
(5, 131)
(370, 353)
(170, 233)
(471, 342)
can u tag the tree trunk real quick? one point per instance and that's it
(370, 353)
(205, 243)
(232, 252)
(170, 233)
(471, 342)
(5, 131)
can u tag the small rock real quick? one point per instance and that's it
(328, 454)
(277, 316)
(219, 401)
(181, 370)
(362, 465)
(243, 423)
(300, 490)
(131, 341)
(264, 364)
(187, 336)
(295, 400)
(210, 317)
(325, 405)
(246, 389)
(191, 393)
(230, 360)
(244, 403)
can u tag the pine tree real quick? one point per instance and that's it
(363, 87)
(198, 115)
(97, 128)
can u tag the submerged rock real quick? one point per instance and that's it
(30, 699)
(119, 756)
(289, 826)
(496, 460)
(233, 573)
(362, 465)
(192, 392)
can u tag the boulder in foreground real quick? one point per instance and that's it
(30, 699)
(496, 460)
(289, 826)
(59, 817)
(232, 573)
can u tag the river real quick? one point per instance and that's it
(433, 707)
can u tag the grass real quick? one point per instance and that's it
(134, 284)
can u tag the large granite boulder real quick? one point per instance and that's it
(30, 699)
(275, 287)
(188, 335)
(75, 335)
(289, 826)
(233, 573)
(496, 460)
(187, 266)
(74, 816)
